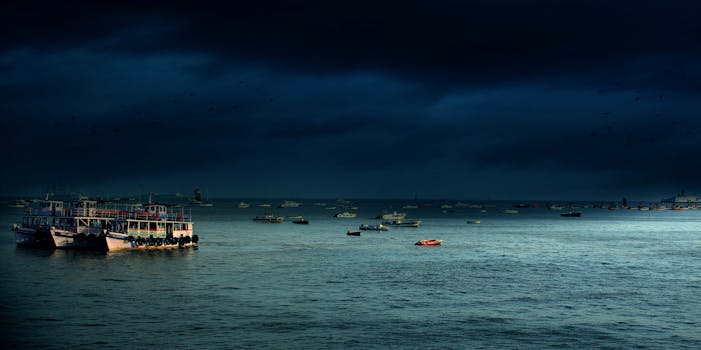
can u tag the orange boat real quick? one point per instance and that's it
(429, 242)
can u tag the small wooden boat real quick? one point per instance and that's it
(269, 218)
(402, 223)
(353, 233)
(429, 242)
(379, 227)
(572, 214)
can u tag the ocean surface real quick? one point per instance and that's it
(608, 280)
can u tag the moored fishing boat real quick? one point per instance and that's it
(379, 227)
(392, 216)
(82, 226)
(269, 218)
(154, 228)
(35, 229)
(572, 214)
(429, 242)
(402, 223)
(345, 215)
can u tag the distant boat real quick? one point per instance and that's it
(243, 205)
(410, 206)
(345, 215)
(509, 211)
(403, 223)
(353, 233)
(289, 204)
(379, 227)
(295, 217)
(198, 200)
(474, 222)
(573, 214)
(429, 242)
(269, 218)
(301, 222)
(446, 206)
(264, 205)
(392, 216)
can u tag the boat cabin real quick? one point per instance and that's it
(84, 208)
(52, 208)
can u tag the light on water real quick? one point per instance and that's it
(610, 279)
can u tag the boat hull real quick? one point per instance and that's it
(64, 239)
(33, 237)
(429, 242)
(117, 242)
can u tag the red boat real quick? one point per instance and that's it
(353, 233)
(429, 242)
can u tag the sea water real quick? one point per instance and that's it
(610, 279)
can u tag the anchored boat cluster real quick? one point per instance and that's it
(84, 224)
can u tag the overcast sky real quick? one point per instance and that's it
(293, 99)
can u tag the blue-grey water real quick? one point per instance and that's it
(610, 279)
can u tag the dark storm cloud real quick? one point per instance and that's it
(455, 41)
(372, 97)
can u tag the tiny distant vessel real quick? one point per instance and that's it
(345, 215)
(379, 227)
(392, 216)
(330, 208)
(446, 206)
(198, 200)
(353, 233)
(295, 217)
(243, 205)
(402, 223)
(474, 222)
(410, 206)
(572, 214)
(555, 207)
(269, 218)
(289, 204)
(301, 222)
(509, 211)
(264, 205)
(429, 242)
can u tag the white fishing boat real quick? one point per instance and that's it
(345, 215)
(392, 216)
(155, 228)
(270, 218)
(243, 205)
(402, 223)
(35, 228)
(379, 227)
(289, 204)
(82, 226)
